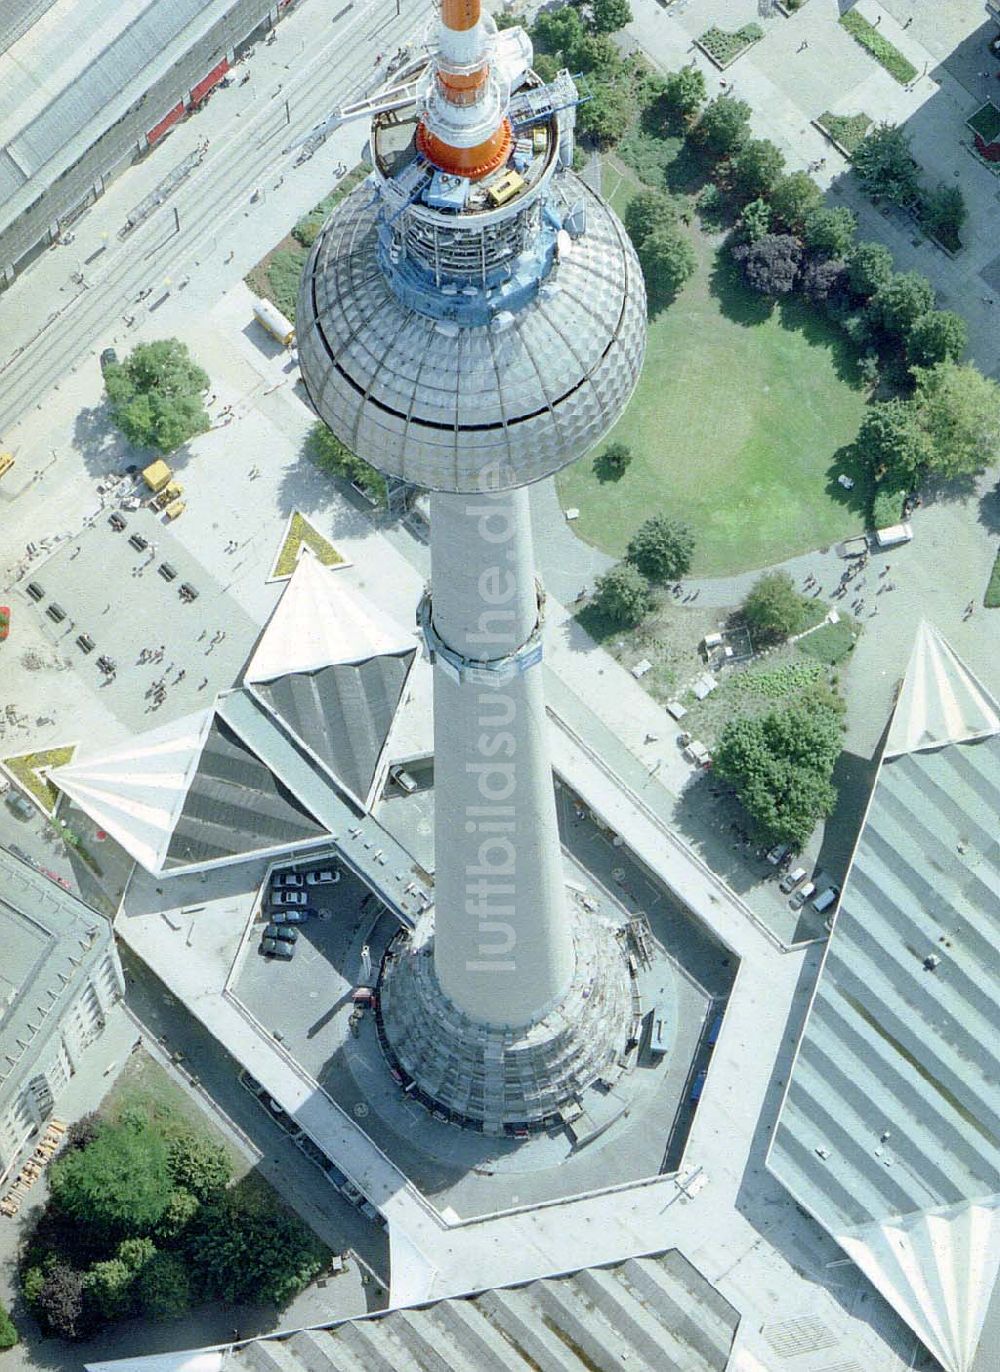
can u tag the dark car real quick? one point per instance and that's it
(714, 1030)
(698, 1085)
(291, 916)
(277, 948)
(18, 805)
(282, 931)
(109, 358)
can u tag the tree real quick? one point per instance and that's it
(107, 1290)
(830, 232)
(959, 410)
(597, 54)
(774, 609)
(162, 1288)
(755, 168)
(614, 459)
(181, 1210)
(559, 32)
(869, 267)
(793, 199)
(199, 1166)
(245, 1248)
(898, 304)
(156, 395)
(83, 1131)
(943, 213)
(661, 548)
(8, 1331)
(607, 115)
(684, 92)
(892, 443)
(667, 259)
(755, 220)
(135, 1253)
(648, 209)
(622, 595)
(771, 265)
(724, 126)
(937, 336)
(59, 1302)
(330, 455)
(822, 279)
(884, 165)
(781, 765)
(608, 16)
(117, 1185)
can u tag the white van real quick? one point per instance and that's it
(825, 899)
(893, 535)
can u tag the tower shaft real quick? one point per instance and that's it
(503, 951)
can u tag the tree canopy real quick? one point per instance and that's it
(661, 548)
(781, 765)
(773, 609)
(884, 165)
(684, 91)
(622, 595)
(869, 267)
(330, 455)
(667, 259)
(830, 232)
(898, 304)
(198, 1166)
(156, 395)
(937, 336)
(755, 169)
(116, 1186)
(724, 125)
(771, 265)
(649, 209)
(608, 16)
(892, 443)
(245, 1250)
(794, 198)
(959, 410)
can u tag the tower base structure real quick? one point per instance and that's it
(506, 1080)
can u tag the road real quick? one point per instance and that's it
(244, 153)
(301, 1184)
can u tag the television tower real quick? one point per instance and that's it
(471, 319)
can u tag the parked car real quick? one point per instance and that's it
(288, 897)
(109, 358)
(292, 916)
(778, 853)
(826, 899)
(698, 1085)
(791, 879)
(277, 948)
(802, 895)
(17, 803)
(714, 1030)
(282, 931)
(286, 880)
(323, 876)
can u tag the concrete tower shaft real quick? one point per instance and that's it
(503, 950)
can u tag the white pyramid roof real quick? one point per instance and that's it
(137, 792)
(320, 621)
(938, 1269)
(940, 700)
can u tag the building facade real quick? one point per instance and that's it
(59, 977)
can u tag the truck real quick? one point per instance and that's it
(269, 317)
(893, 535)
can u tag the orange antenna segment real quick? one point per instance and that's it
(460, 14)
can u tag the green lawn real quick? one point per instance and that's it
(735, 427)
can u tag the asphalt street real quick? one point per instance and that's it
(245, 152)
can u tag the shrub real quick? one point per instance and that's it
(774, 609)
(668, 260)
(59, 1302)
(243, 1247)
(661, 549)
(724, 47)
(822, 278)
(117, 1185)
(942, 213)
(879, 46)
(771, 265)
(284, 275)
(614, 459)
(991, 600)
(887, 505)
(181, 1210)
(8, 1332)
(107, 1290)
(755, 220)
(648, 209)
(135, 1253)
(330, 455)
(622, 595)
(847, 129)
(162, 1289)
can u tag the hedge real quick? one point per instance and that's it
(880, 48)
(992, 597)
(887, 506)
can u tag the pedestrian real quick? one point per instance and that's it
(908, 22)
(878, 21)
(802, 46)
(180, 676)
(201, 635)
(203, 684)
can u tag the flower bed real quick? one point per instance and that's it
(723, 48)
(846, 130)
(898, 66)
(27, 768)
(302, 534)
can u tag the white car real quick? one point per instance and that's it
(324, 876)
(287, 880)
(288, 898)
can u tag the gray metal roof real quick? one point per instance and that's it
(235, 805)
(18, 17)
(890, 1129)
(652, 1314)
(49, 940)
(342, 714)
